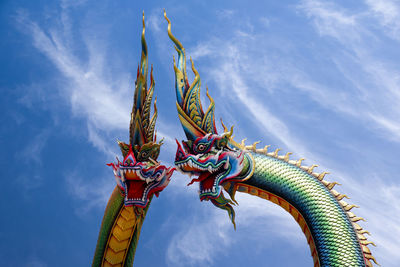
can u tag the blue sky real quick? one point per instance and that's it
(319, 78)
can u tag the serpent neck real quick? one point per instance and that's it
(119, 233)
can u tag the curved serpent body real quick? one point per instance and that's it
(328, 229)
(217, 162)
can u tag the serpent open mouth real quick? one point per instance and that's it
(211, 169)
(139, 180)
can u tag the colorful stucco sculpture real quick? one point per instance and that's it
(139, 176)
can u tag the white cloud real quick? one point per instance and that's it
(93, 193)
(33, 150)
(388, 15)
(376, 87)
(210, 232)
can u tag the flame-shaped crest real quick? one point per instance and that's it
(195, 122)
(141, 130)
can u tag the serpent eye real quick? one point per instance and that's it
(201, 147)
(144, 154)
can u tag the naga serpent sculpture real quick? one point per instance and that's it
(139, 176)
(334, 237)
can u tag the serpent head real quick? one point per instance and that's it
(215, 160)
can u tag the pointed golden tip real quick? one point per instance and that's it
(165, 14)
(144, 26)
(286, 158)
(161, 141)
(196, 74)
(275, 153)
(231, 132)
(211, 100)
(222, 123)
(298, 164)
(169, 26)
(243, 143)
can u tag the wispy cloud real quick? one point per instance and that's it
(31, 155)
(83, 189)
(375, 87)
(34, 149)
(210, 233)
(388, 15)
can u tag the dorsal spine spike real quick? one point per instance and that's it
(243, 142)
(366, 243)
(360, 236)
(322, 175)
(350, 207)
(298, 162)
(341, 196)
(364, 232)
(253, 147)
(356, 226)
(265, 149)
(276, 152)
(356, 219)
(286, 158)
(310, 170)
(331, 185)
(370, 257)
(222, 123)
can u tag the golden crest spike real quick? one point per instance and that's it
(351, 215)
(357, 226)
(276, 152)
(254, 145)
(360, 236)
(366, 250)
(349, 207)
(370, 257)
(322, 175)
(265, 149)
(366, 243)
(310, 170)
(223, 125)
(356, 219)
(243, 142)
(364, 232)
(229, 134)
(298, 163)
(331, 185)
(341, 196)
(286, 158)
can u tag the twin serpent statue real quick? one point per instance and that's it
(218, 162)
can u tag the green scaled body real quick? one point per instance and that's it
(334, 235)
